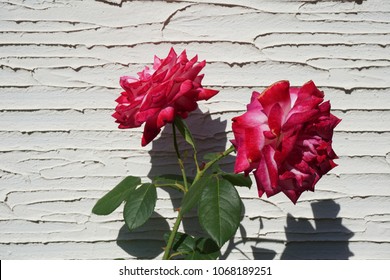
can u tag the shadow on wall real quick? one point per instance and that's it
(327, 240)
(146, 241)
(210, 137)
(256, 244)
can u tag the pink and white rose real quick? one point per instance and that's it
(286, 138)
(172, 88)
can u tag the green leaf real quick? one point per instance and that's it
(196, 255)
(206, 249)
(182, 243)
(171, 180)
(220, 210)
(238, 179)
(185, 131)
(194, 249)
(192, 197)
(207, 246)
(113, 199)
(210, 156)
(140, 205)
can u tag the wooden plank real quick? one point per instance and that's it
(60, 149)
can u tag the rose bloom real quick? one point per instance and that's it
(172, 88)
(286, 138)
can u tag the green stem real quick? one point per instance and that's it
(199, 174)
(220, 156)
(171, 239)
(174, 186)
(167, 251)
(181, 164)
(196, 161)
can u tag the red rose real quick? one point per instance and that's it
(171, 89)
(286, 138)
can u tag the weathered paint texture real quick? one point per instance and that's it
(60, 150)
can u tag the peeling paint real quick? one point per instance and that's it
(60, 150)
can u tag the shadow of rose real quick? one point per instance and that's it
(210, 137)
(327, 239)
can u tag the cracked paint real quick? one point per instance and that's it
(60, 150)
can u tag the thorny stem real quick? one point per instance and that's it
(211, 163)
(175, 228)
(199, 174)
(181, 164)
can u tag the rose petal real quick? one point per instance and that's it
(166, 115)
(172, 88)
(286, 138)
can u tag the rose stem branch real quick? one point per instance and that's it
(220, 156)
(199, 175)
(167, 251)
(181, 164)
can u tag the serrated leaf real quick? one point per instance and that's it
(114, 198)
(206, 249)
(220, 210)
(182, 243)
(171, 180)
(140, 205)
(185, 131)
(207, 246)
(238, 179)
(192, 197)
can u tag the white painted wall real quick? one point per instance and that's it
(60, 150)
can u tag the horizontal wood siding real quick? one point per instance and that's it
(60, 150)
